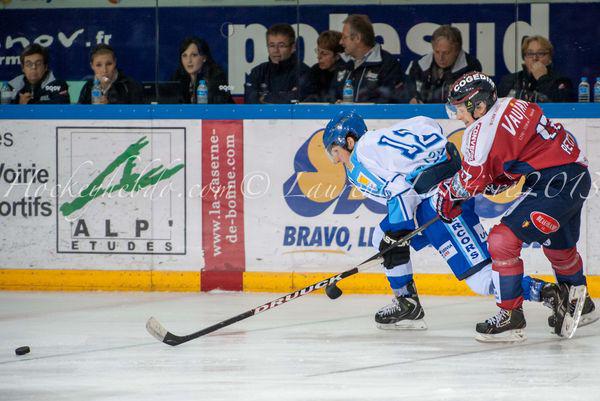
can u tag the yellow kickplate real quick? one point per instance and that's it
(189, 281)
(99, 280)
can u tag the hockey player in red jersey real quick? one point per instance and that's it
(504, 140)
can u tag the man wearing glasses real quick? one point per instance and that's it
(432, 75)
(277, 80)
(537, 81)
(375, 74)
(37, 84)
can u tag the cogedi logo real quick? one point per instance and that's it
(473, 77)
(317, 183)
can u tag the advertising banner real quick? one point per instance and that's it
(122, 190)
(104, 194)
(222, 200)
(223, 196)
(310, 219)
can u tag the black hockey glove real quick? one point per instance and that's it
(398, 255)
(430, 177)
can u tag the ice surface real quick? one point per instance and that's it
(94, 346)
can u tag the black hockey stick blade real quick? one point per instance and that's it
(163, 335)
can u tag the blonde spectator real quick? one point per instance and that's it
(537, 81)
(116, 87)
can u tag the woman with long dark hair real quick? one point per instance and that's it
(196, 64)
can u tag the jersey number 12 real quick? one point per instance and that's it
(410, 144)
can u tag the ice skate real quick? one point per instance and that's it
(567, 303)
(555, 296)
(404, 313)
(589, 314)
(573, 308)
(505, 326)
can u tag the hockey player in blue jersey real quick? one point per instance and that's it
(400, 167)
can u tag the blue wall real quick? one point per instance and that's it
(227, 112)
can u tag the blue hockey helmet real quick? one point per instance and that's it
(339, 127)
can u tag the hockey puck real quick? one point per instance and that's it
(333, 291)
(22, 350)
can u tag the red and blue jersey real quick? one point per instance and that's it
(512, 139)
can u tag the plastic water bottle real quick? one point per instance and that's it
(264, 90)
(348, 92)
(5, 93)
(202, 93)
(96, 92)
(584, 91)
(597, 90)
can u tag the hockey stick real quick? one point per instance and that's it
(161, 334)
(334, 292)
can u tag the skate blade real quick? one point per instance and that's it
(588, 318)
(404, 325)
(585, 320)
(511, 336)
(570, 322)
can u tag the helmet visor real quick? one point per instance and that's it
(451, 110)
(333, 152)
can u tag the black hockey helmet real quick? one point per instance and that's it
(471, 89)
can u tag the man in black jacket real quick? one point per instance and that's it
(277, 80)
(431, 77)
(37, 84)
(537, 82)
(375, 74)
(116, 87)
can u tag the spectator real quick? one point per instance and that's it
(117, 88)
(321, 74)
(431, 76)
(537, 81)
(196, 63)
(37, 84)
(277, 80)
(375, 74)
